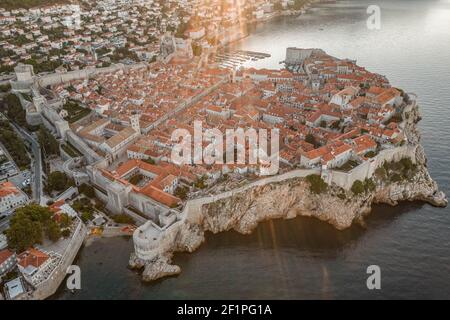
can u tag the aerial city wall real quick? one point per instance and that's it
(342, 179)
(345, 180)
(367, 169)
(51, 284)
(59, 78)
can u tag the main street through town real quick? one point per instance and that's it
(36, 165)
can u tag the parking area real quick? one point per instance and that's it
(7, 169)
(22, 179)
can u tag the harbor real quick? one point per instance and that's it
(235, 59)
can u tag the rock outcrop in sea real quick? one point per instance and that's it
(291, 198)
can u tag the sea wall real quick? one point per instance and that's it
(287, 196)
(367, 169)
(242, 211)
(193, 208)
(49, 286)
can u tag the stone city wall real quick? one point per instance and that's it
(137, 218)
(49, 287)
(90, 155)
(192, 211)
(59, 78)
(342, 179)
(68, 194)
(367, 169)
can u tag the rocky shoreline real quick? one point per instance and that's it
(288, 199)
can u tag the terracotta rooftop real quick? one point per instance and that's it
(5, 255)
(32, 257)
(7, 188)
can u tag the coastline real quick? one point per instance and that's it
(230, 265)
(284, 13)
(243, 209)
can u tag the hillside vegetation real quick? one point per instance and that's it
(27, 4)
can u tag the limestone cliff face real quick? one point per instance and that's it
(288, 199)
(293, 198)
(281, 200)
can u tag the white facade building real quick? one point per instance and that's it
(11, 197)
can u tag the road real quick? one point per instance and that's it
(37, 163)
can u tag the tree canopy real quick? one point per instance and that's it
(57, 181)
(48, 141)
(311, 139)
(14, 145)
(29, 225)
(316, 184)
(27, 4)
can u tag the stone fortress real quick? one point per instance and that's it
(163, 218)
(98, 146)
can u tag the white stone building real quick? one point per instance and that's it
(11, 197)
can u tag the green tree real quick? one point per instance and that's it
(200, 183)
(396, 177)
(65, 233)
(87, 216)
(369, 185)
(316, 184)
(53, 231)
(14, 145)
(370, 154)
(409, 167)
(65, 220)
(136, 179)
(14, 110)
(57, 181)
(48, 141)
(181, 192)
(181, 30)
(29, 225)
(123, 218)
(87, 190)
(358, 187)
(5, 88)
(310, 138)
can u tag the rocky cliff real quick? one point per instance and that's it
(288, 199)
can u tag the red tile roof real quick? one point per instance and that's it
(32, 257)
(7, 188)
(5, 255)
